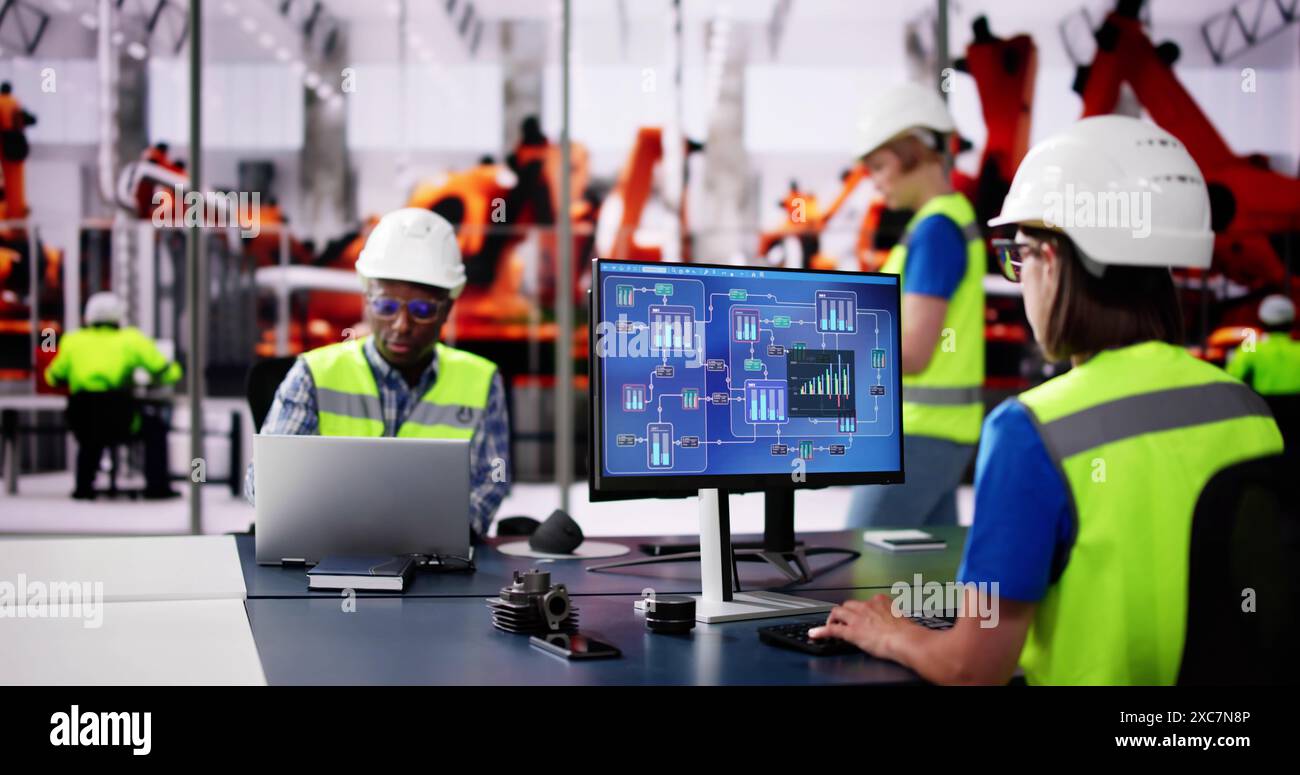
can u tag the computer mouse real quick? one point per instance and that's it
(517, 526)
(559, 534)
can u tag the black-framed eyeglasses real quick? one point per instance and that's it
(1011, 256)
(420, 310)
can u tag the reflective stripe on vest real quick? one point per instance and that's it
(348, 398)
(944, 400)
(348, 404)
(1162, 410)
(935, 396)
(1135, 433)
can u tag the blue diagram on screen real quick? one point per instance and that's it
(737, 371)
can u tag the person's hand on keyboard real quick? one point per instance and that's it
(868, 624)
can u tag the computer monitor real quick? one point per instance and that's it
(718, 379)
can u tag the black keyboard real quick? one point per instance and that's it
(795, 635)
(935, 622)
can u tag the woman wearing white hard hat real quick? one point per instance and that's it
(1086, 485)
(942, 261)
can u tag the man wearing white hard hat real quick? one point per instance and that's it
(1086, 485)
(400, 380)
(942, 260)
(97, 363)
(1272, 366)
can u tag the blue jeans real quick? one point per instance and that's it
(933, 469)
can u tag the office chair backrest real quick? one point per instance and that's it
(1286, 410)
(264, 377)
(102, 416)
(1244, 578)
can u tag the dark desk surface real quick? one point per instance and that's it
(452, 641)
(876, 568)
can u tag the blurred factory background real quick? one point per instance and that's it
(716, 131)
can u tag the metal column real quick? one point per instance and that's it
(195, 290)
(564, 287)
(942, 62)
(34, 292)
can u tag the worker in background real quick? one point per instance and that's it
(13, 151)
(1272, 367)
(157, 154)
(528, 162)
(98, 363)
(1086, 485)
(401, 381)
(804, 216)
(942, 260)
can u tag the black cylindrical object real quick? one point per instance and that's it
(673, 614)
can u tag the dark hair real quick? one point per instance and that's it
(912, 150)
(6, 88)
(1127, 305)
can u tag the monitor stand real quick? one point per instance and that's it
(779, 548)
(719, 601)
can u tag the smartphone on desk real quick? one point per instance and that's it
(574, 646)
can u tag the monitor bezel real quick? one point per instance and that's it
(647, 485)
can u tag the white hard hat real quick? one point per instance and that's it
(415, 245)
(1124, 191)
(105, 307)
(905, 107)
(1276, 310)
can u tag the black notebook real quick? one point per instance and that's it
(386, 573)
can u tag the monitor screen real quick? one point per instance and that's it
(741, 378)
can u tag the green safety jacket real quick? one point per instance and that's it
(1136, 433)
(102, 358)
(347, 397)
(944, 401)
(1273, 369)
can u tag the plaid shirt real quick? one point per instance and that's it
(294, 413)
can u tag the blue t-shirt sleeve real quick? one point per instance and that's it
(1022, 509)
(936, 258)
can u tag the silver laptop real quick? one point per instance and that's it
(318, 496)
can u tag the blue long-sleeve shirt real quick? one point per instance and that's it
(295, 413)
